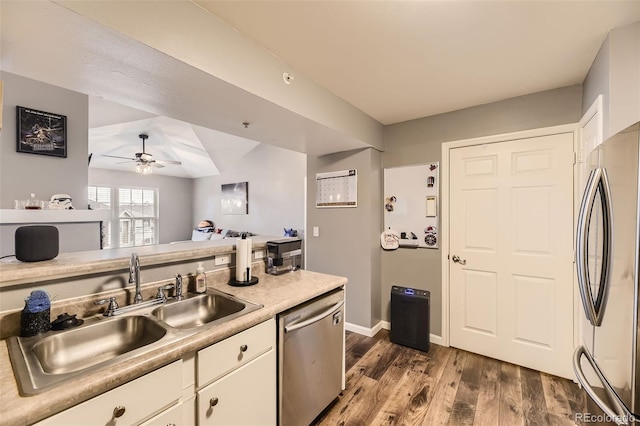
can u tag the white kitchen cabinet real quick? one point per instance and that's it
(240, 371)
(243, 370)
(183, 413)
(128, 404)
(232, 352)
(174, 416)
(246, 396)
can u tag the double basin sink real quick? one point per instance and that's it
(54, 357)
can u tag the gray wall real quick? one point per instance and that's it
(615, 74)
(276, 192)
(174, 194)
(419, 141)
(22, 173)
(349, 240)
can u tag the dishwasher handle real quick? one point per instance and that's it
(298, 325)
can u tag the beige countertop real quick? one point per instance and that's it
(276, 293)
(14, 272)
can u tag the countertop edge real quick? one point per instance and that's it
(74, 264)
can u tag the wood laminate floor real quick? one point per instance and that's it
(389, 384)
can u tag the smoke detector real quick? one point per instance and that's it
(287, 78)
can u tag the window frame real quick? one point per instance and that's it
(117, 222)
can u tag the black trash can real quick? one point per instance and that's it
(410, 317)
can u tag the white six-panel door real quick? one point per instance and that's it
(511, 225)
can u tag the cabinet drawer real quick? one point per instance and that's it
(247, 396)
(224, 356)
(140, 398)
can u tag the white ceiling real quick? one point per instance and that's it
(401, 60)
(201, 151)
(394, 60)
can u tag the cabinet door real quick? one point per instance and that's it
(129, 403)
(247, 396)
(171, 417)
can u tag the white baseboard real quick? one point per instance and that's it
(370, 332)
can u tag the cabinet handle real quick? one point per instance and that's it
(244, 348)
(213, 401)
(119, 411)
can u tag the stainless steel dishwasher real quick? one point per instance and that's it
(310, 358)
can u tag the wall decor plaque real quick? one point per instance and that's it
(41, 132)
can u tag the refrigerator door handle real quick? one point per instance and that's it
(598, 182)
(618, 413)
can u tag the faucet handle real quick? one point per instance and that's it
(160, 294)
(111, 309)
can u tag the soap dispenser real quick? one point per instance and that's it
(201, 279)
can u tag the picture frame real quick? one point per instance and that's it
(40, 132)
(234, 198)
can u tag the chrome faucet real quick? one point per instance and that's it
(134, 276)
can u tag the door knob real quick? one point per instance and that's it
(456, 259)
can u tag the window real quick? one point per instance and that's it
(134, 215)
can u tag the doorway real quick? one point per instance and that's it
(508, 267)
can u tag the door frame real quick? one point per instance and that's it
(445, 199)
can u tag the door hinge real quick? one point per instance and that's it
(577, 157)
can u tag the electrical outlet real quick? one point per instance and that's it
(259, 254)
(222, 260)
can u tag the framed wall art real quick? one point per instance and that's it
(41, 132)
(235, 198)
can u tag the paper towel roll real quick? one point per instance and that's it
(243, 259)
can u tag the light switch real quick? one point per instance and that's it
(316, 231)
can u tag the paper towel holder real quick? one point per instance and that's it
(235, 283)
(250, 280)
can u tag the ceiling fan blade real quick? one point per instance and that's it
(116, 156)
(122, 162)
(156, 165)
(177, 163)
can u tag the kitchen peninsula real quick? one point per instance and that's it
(158, 267)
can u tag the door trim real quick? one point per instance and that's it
(445, 199)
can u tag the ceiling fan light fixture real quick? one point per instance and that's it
(144, 169)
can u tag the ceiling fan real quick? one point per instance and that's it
(144, 161)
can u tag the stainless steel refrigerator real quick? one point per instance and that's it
(607, 239)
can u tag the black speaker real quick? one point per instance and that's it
(410, 317)
(37, 242)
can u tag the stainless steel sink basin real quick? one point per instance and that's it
(83, 347)
(200, 310)
(52, 358)
(47, 359)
